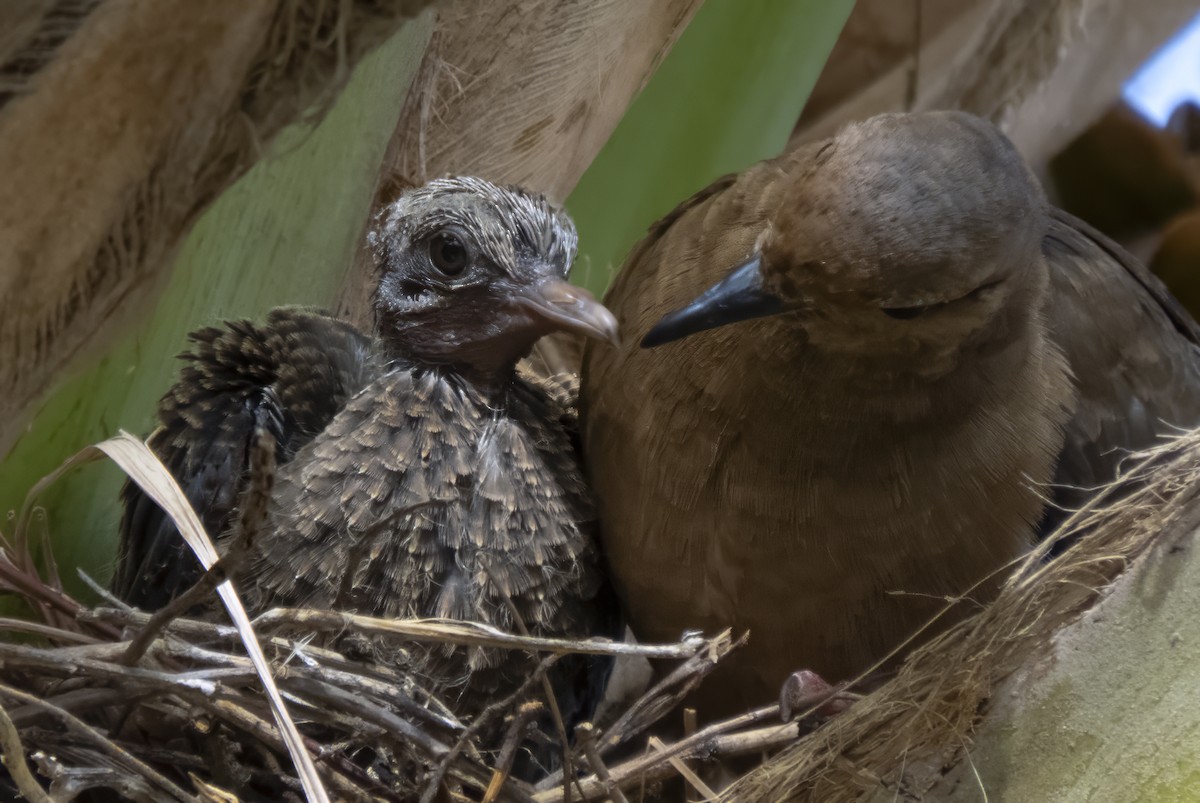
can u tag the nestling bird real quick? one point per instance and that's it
(421, 474)
(934, 346)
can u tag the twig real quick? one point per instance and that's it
(663, 696)
(38, 629)
(755, 741)
(469, 634)
(687, 773)
(234, 714)
(60, 662)
(508, 750)
(100, 591)
(14, 762)
(202, 588)
(690, 726)
(74, 701)
(367, 687)
(548, 690)
(710, 742)
(482, 722)
(585, 738)
(68, 783)
(51, 601)
(92, 736)
(370, 711)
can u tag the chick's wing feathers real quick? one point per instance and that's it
(289, 375)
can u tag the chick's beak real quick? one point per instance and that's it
(565, 306)
(740, 296)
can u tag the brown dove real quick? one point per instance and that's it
(421, 473)
(933, 349)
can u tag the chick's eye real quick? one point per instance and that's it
(448, 254)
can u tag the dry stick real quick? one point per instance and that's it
(14, 762)
(254, 514)
(100, 591)
(50, 566)
(345, 772)
(756, 740)
(56, 633)
(178, 606)
(585, 737)
(56, 662)
(685, 772)
(364, 687)
(661, 698)
(388, 688)
(370, 711)
(331, 665)
(369, 687)
(690, 726)
(468, 634)
(713, 741)
(52, 602)
(200, 630)
(37, 592)
(126, 617)
(753, 717)
(551, 701)
(75, 701)
(89, 734)
(68, 783)
(482, 721)
(18, 554)
(508, 750)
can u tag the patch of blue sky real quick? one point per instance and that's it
(1170, 77)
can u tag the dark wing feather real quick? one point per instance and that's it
(290, 376)
(1134, 352)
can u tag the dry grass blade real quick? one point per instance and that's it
(143, 467)
(253, 515)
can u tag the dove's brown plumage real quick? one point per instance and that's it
(826, 477)
(421, 474)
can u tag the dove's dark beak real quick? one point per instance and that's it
(738, 297)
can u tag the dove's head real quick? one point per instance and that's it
(904, 234)
(472, 274)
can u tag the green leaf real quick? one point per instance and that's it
(728, 95)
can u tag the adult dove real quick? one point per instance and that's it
(933, 348)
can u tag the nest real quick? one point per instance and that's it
(167, 707)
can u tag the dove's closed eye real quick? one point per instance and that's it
(908, 313)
